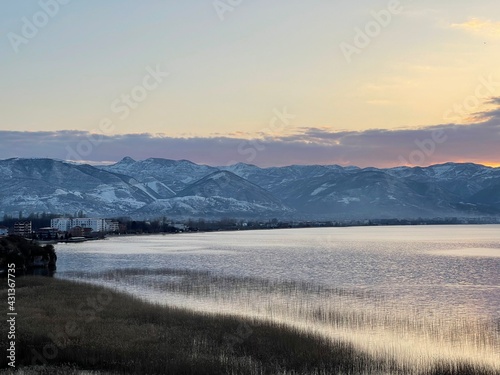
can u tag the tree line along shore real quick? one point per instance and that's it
(26, 255)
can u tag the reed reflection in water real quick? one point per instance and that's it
(413, 338)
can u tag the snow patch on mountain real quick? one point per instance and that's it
(348, 200)
(154, 187)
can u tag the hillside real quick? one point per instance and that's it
(161, 187)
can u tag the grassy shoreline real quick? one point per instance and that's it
(64, 327)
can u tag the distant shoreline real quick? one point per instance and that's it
(113, 235)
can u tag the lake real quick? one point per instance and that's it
(415, 294)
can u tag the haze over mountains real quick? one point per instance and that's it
(180, 189)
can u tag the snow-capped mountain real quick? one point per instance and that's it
(221, 193)
(45, 185)
(161, 187)
(225, 184)
(274, 178)
(175, 175)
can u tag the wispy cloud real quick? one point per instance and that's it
(476, 142)
(480, 27)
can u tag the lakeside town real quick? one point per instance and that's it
(51, 229)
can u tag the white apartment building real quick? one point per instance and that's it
(23, 228)
(111, 226)
(97, 225)
(61, 224)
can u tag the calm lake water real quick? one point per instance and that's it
(413, 294)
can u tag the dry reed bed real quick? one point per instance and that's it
(116, 333)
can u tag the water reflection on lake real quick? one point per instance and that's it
(415, 294)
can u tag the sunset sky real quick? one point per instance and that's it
(366, 83)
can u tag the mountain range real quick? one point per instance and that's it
(180, 189)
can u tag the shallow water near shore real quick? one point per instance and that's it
(415, 295)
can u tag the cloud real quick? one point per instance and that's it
(490, 115)
(495, 101)
(474, 142)
(308, 145)
(480, 27)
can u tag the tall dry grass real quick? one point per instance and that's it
(79, 328)
(86, 327)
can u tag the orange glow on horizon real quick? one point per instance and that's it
(491, 164)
